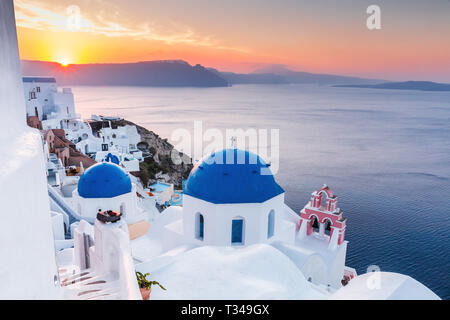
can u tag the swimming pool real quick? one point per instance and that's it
(159, 187)
(177, 199)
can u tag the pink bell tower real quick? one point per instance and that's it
(322, 218)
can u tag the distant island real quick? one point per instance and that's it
(407, 85)
(165, 73)
(175, 73)
(280, 74)
(179, 73)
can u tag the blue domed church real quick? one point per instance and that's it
(232, 198)
(106, 186)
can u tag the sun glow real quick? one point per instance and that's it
(63, 62)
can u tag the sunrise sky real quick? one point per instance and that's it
(243, 35)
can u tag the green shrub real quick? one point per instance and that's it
(144, 283)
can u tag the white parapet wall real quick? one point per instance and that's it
(28, 265)
(104, 251)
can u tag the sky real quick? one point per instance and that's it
(244, 35)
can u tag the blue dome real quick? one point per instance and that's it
(104, 180)
(111, 158)
(232, 176)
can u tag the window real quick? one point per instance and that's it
(199, 226)
(315, 224)
(323, 199)
(328, 227)
(38, 89)
(271, 224)
(32, 95)
(237, 230)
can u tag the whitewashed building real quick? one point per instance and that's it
(56, 110)
(45, 101)
(118, 145)
(106, 186)
(227, 201)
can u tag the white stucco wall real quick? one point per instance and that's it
(310, 263)
(336, 268)
(65, 103)
(218, 220)
(58, 225)
(88, 207)
(49, 101)
(44, 98)
(122, 137)
(28, 264)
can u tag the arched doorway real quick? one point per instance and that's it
(271, 224)
(199, 226)
(237, 231)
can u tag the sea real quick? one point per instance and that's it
(384, 153)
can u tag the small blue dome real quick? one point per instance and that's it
(111, 158)
(232, 176)
(104, 180)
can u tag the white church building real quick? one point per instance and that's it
(107, 186)
(233, 204)
(228, 202)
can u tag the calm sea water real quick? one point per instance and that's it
(385, 153)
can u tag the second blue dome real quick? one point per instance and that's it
(104, 180)
(232, 176)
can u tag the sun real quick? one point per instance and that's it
(64, 62)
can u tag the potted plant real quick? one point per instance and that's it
(145, 285)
